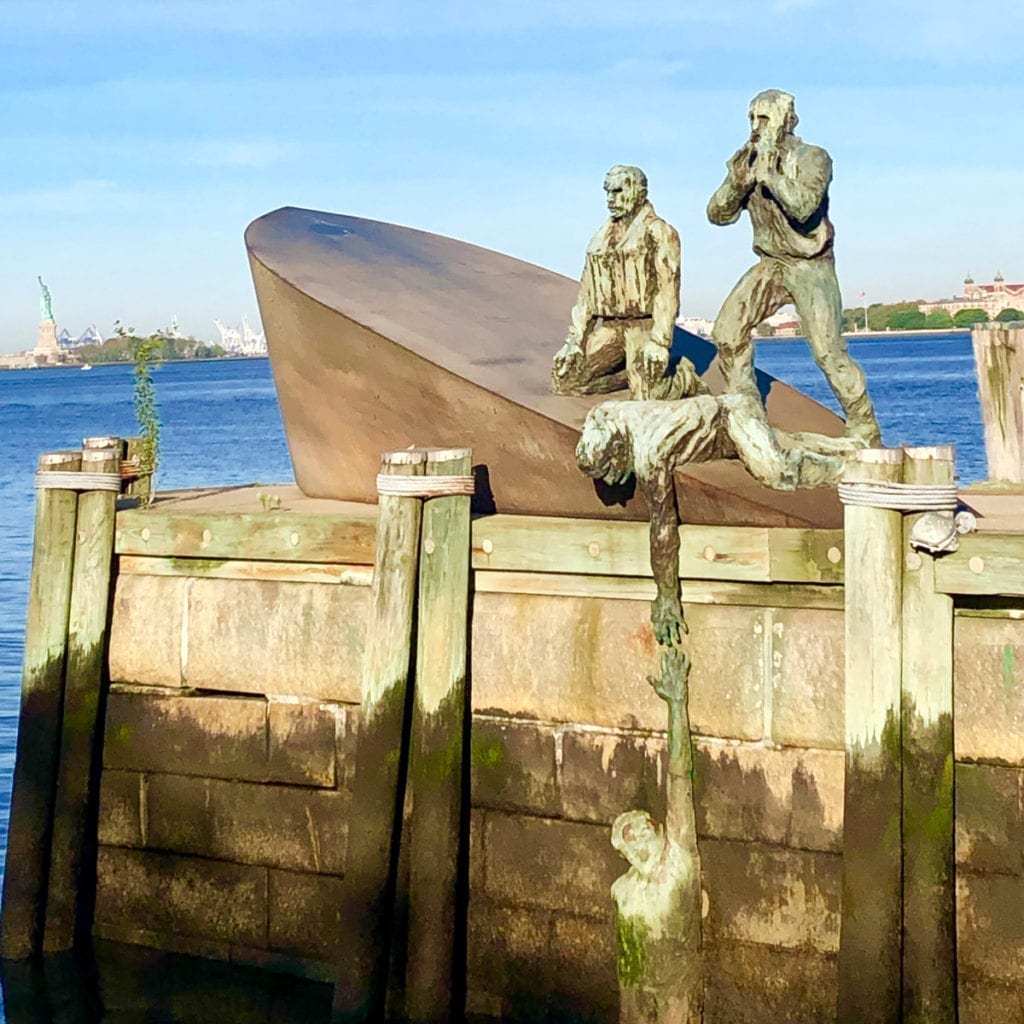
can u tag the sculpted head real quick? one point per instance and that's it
(603, 448)
(772, 116)
(639, 839)
(626, 189)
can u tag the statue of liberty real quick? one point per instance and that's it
(45, 305)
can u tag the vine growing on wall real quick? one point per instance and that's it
(147, 412)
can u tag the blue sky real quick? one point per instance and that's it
(140, 138)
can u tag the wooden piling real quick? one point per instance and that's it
(69, 889)
(929, 880)
(139, 483)
(378, 792)
(42, 682)
(870, 933)
(436, 764)
(999, 361)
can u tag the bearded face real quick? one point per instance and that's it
(771, 118)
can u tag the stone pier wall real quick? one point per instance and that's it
(229, 746)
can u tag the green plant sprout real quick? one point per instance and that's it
(147, 413)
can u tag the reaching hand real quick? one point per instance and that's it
(675, 671)
(568, 358)
(667, 620)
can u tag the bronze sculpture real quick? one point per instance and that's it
(653, 439)
(621, 327)
(782, 182)
(659, 899)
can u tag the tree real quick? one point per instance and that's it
(764, 330)
(938, 320)
(970, 317)
(907, 320)
(1009, 316)
(853, 320)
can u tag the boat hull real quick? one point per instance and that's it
(382, 337)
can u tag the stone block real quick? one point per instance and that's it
(138, 984)
(185, 896)
(989, 822)
(727, 684)
(305, 915)
(285, 827)
(749, 984)
(164, 941)
(145, 630)
(268, 637)
(564, 659)
(120, 822)
(772, 896)
(808, 671)
(583, 959)
(990, 926)
(302, 742)
(513, 766)
(604, 774)
(981, 1001)
(218, 737)
(790, 797)
(346, 739)
(988, 673)
(577, 659)
(508, 965)
(549, 864)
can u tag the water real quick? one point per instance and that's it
(221, 425)
(923, 386)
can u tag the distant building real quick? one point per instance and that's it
(696, 325)
(992, 298)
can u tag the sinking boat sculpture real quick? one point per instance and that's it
(382, 337)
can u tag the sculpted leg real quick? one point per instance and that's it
(602, 367)
(815, 292)
(757, 295)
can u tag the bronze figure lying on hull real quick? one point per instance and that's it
(382, 336)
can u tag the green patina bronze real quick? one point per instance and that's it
(783, 182)
(659, 899)
(622, 324)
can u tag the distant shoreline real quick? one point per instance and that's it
(854, 335)
(128, 362)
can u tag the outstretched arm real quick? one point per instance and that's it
(667, 610)
(800, 181)
(673, 688)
